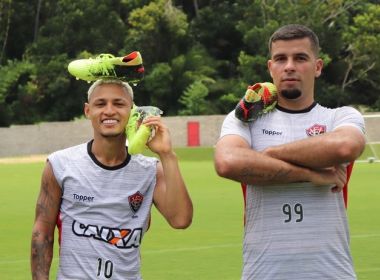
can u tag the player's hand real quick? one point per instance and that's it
(341, 173)
(161, 142)
(336, 176)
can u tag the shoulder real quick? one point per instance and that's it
(344, 110)
(232, 123)
(347, 110)
(71, 150)
(348, 116)
(67, 155)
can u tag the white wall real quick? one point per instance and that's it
(45, 138)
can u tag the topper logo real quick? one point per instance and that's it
(271, 132)
(83, 198)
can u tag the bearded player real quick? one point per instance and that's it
(294, 163)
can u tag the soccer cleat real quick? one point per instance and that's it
(128, 68)
(138, 134)
(259, 99)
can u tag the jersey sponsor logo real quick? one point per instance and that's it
(271, 132)
(121, 238)
(316, 129)
(135, 201)
(84, 198)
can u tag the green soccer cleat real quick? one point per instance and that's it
(259, 99)
(138, 134)
(128, 68)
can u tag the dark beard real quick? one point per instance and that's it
(291, 93)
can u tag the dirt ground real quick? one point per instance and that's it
(24, 159)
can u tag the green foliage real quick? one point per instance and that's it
(59, 101)
(193, 99)
(215, 28)
(157, 29)
(363, 53)
(253, 68)
(18, 93)
(158, 83)
(182, 42)
(75, 26)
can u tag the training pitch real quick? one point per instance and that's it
(211, 248)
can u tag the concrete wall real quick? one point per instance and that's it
(45, 138)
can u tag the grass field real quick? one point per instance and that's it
(211, 248)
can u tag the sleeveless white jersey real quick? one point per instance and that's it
(294, 231)
(103, 215)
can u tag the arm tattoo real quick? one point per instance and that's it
(43, 241)
(45, 203)
(42, 253)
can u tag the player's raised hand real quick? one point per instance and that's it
(137, 132)
(160, 142)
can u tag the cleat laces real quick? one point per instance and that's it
(105, 66)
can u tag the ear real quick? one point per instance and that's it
(269, 65)
(86, 110)
(318, 67)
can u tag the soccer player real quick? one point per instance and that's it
(293, 163)
(100, 197)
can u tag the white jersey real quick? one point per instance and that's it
(294, 231)
(104, 213)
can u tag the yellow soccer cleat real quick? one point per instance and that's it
(138, 134)
(259, 99)
(128, 68)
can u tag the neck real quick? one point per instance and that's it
(298, 104)
(109, 151)
(296, 111)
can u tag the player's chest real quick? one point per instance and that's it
(276, 131)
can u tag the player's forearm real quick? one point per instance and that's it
(41, 254)
(322, 151)
(251, 167)
(178, 205)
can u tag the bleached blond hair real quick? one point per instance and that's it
(128, 89)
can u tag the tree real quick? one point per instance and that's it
(60, 40)
(5, 20)
(363, 54)
(158, 83)
(184, 44)
(158, 30)
(193, 99)
(18, 94)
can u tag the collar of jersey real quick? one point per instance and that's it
(97, 162)
(308, 109)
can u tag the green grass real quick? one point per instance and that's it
(211, 247)
(191, 154)
(371, 151)
(364, 218)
